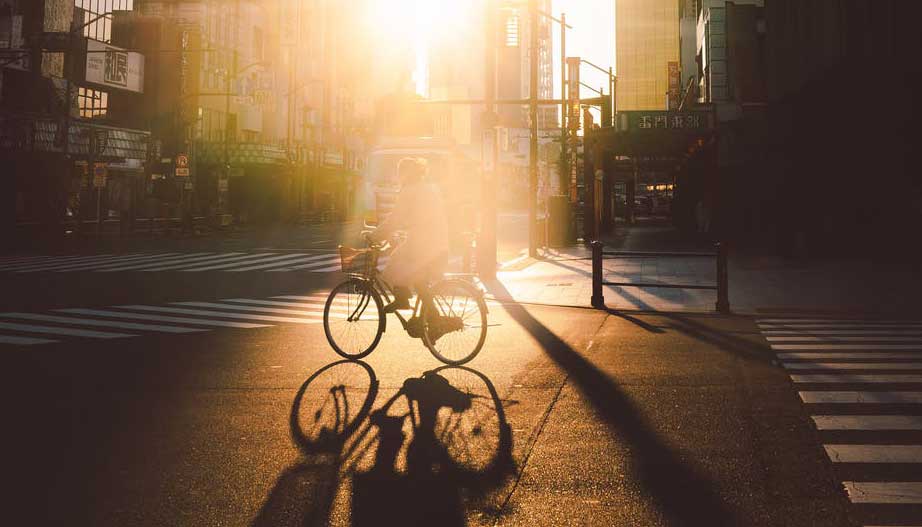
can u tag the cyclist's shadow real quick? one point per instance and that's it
(421, 458)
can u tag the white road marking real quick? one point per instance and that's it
(266, 258)
(858, 355)
(161, 318)
(293, 259)
(47, 260)
(173, 260)
(861, 397)
(79, 266)
(808, 347)
(841, 332)
(853, 365)
(29, 328)
(219, 314)
(338, 306)
(833, 327)
(211, 260)
(856, 378)
(830, 339)
(835, 321)
(320, 263)
(100, 323)
(329, 269)
(263, 309)
(884, 492)
(24, 341)
(868, 422)
(874, 453)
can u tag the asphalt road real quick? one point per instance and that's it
(567, 416)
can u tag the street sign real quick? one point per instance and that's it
(100, 172)
(573, 92)
(182, 161)
(182, 172)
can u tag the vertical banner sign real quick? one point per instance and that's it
(573, 114)
(675, 85)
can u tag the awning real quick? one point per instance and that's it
(41, 134)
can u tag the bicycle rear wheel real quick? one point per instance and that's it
(353, 318)
(455, 333)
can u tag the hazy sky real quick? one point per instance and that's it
(591, 38)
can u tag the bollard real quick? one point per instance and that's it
(598, 300)
(723, 297)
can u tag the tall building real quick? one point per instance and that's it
(646, 42)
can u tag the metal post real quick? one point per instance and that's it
(723, 295)
(564, 175)
(486, 243)
(533, 124)
(598, 299)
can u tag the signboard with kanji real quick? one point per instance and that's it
(660, 120)
(573, 113)
(675, 85)
(114, 67)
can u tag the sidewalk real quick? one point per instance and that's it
(757, 283)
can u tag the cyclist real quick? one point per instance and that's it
(420, 213)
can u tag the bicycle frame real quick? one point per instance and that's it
(384, 289)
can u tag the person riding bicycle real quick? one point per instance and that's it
(420, 213)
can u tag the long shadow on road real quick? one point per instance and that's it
(683, 496)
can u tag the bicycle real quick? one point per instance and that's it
(449, 315)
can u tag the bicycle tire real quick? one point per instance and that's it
(360, 287)
(471, 292)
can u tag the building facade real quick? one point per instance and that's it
(646, 42)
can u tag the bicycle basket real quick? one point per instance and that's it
(361, 261)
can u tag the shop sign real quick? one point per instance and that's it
(675, 84)
(660, 120)
(114, 67)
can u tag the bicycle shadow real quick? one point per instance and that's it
(423, 457)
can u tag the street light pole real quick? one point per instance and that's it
(533, 124)
(564, 167)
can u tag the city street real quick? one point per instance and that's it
(172, 390)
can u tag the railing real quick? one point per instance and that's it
(721, 285)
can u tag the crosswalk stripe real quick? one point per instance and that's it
(861, 355)
(264, 257)
(868, 422)
(842, 332)
(832, 339)
(216, 305)
(295, 259)
(850, 328)
(320, 263)
(184, 258)
(77, 266)
(60, 260)
(94, 266)
(32, 260)
(338, 306)
(220, 314)
(884, 492)
(808, 347)
(162, 318)
(835, 321)
(851, 378)
(50, 330)
(874, 453)
(861, 397)
(24, 341)
(211, 260)
(100, 323)
(853, 365)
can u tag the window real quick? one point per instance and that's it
(97, 15)
(92, 103)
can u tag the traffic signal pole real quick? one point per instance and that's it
(486, 243)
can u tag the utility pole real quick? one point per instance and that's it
(486, 244)
(533, 124)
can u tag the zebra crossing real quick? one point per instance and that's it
(861, 381)
(177, 318)
(137, 320)
(326, 262)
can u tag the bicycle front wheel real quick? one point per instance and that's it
(353, 318)
(457, 329)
